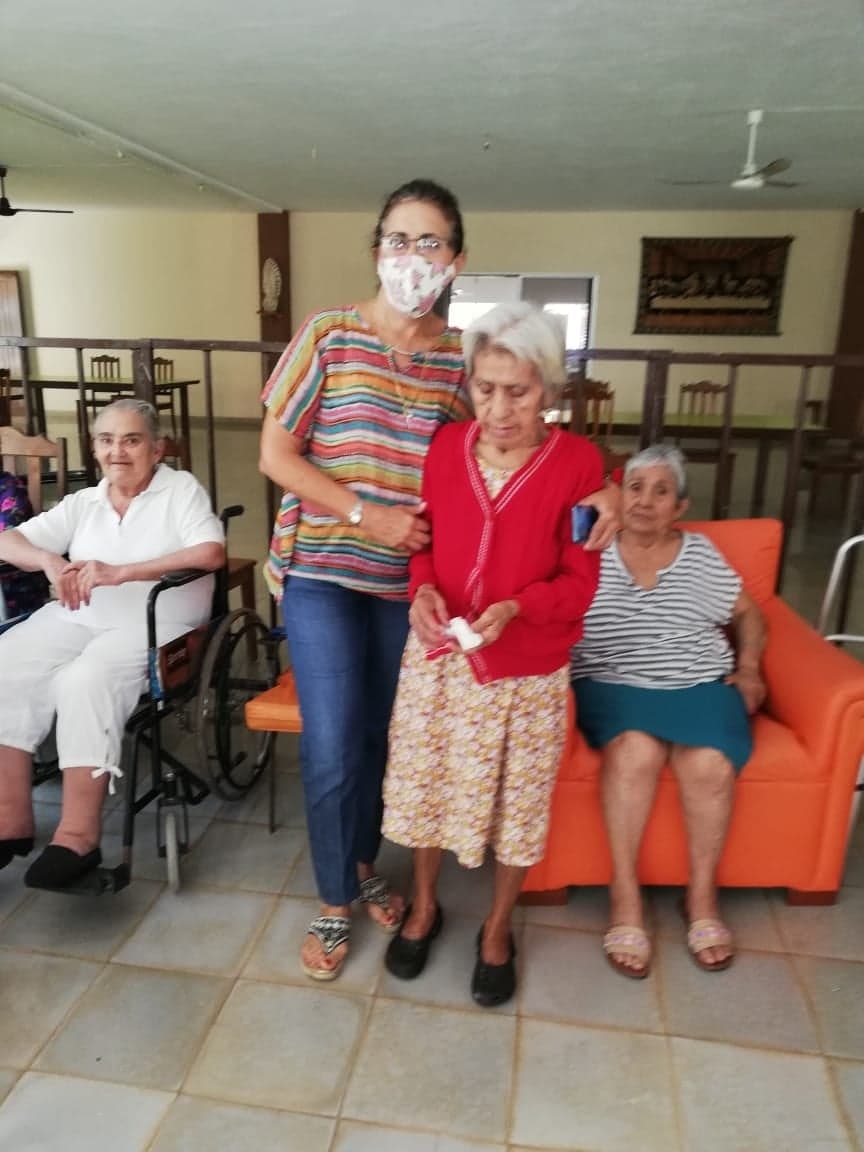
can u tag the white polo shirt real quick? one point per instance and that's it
(173, 512)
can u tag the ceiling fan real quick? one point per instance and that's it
(6, 208)
(752, 176)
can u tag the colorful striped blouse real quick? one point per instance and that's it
(368, 425)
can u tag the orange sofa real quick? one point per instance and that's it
(793, 799)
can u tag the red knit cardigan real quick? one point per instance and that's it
(517, 546)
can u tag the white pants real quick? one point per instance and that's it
(91, 678)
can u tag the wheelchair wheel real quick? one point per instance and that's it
(240, 662)
(172, 850)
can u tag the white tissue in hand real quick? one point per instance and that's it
(464, 634)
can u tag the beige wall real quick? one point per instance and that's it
(194, 276)
(124, 274)
(331, 265)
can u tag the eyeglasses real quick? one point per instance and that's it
(427, 244)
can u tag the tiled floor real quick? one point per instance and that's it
(149, 1021)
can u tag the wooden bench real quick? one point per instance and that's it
(276, 710)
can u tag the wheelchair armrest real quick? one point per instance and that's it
(169, 580)
(178, 579)
(230, 513)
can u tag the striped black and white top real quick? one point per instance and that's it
(668, 636)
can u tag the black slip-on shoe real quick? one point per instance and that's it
(23, 846)
(493, 984)
(405, 958)
(58, 867)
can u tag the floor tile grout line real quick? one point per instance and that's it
(515, 1065)
(676, 1093)
(207, 1032)
(676, 1089)
(351, 1064)
(73, 1007)
(840, 1104)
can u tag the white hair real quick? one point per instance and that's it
(665, 456)
(149, 415)
(525, 332)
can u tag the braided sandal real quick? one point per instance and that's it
(330, 932)
(705, 934)
(375, 890)
(628, 940)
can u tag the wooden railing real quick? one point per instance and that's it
(657, 363)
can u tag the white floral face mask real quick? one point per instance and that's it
(412, 284)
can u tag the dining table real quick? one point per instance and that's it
(35, 387)
(768, 429)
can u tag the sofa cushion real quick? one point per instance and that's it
(752, 547)
(777, 755)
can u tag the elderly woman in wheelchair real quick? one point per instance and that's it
(83, 657)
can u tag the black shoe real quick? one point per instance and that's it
(59, 867)
(23, 846)
(405, 958)
(493, 984)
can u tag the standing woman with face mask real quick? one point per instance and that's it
(352, 406)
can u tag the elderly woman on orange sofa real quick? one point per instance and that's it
(656, 680)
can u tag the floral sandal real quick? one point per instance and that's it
(375, 890)
(330, 932)
(632, 941)
(705, 934)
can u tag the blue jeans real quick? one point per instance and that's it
(346, 648)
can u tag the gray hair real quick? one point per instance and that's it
(525, 332)
(149, 415)
(665, 456)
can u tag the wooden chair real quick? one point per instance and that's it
(105, 367)
(101, 368)
(591, 404)
(613, 460)
(837, 456)
(163, 371)
(176, 452)
(8, 397)
(26, 456)
(705, 398)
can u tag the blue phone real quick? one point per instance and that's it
(583, 518)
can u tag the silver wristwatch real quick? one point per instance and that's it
(355, 516)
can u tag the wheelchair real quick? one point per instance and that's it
(203, 678)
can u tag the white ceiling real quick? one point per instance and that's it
(517, 104)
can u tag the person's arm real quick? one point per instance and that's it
(607, 501)
(749, 627)
(17, 550)
(282, 460)
(95, 574)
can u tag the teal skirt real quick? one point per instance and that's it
(705, 716)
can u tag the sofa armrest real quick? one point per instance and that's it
(817, 690)
(811, 684)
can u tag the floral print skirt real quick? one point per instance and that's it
(473, 765)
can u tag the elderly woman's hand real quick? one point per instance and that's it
(94, 574)
(397, 526)
(495, 619)
(607, 501)
(428, 616)
(63, 578)
(750, 684)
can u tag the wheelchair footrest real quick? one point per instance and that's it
(96, 882)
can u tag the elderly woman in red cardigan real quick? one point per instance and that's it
(481, 710)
